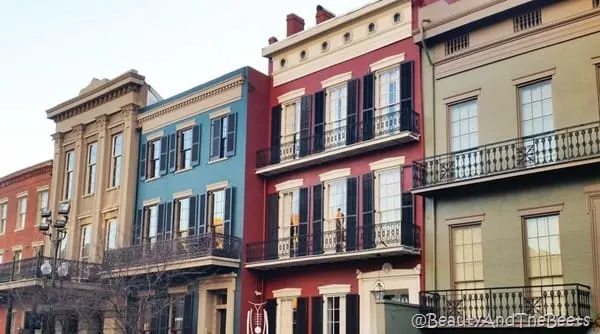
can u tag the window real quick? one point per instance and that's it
(21, 213)
(467, 256)
(177, 313)
(595, 3)
(151, 223)
(182, 217)
(333, 319)
(282, 63)
(62, 252)
(39, 249)
(302, 54)
(456, 44)
(464, 136)
(290, 130)
(289, 221)
(86, 240)
(388, 206)
(42, 203)
(111, 234)
(185, 149)
(337, 110)
(335, 223)
(527, 20)
(117, 157)
(324, 46)
(3, 213)
(154, 159)
(217, 213)
(536, 118)
(544, 261)
(91, 162)
(347, 37)
(397, 17)
(222, 134)
(371, 27)
(388, 101)
(1, 257)
(69, 169)
(17, 256)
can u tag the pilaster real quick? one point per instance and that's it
(78, 187)
(103, 163)
(57, 180)
(126, 214)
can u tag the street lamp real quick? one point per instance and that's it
(56, 237)
(379, 289)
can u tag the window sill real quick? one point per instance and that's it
(217, 160)
(113, 188)
(88, 195)
(182, 170)
(19, 229)
(152, 179)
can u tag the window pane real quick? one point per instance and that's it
(468, 257)
(543, 248)
(463, 125)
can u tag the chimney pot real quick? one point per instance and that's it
(273, 40)
(323, 14)
(295, 24)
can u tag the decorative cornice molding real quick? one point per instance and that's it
(78, 131)
(101, 121)
(26, 173)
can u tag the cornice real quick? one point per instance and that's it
(191, 99)
(26, 173)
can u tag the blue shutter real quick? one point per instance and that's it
(230, 143)
(202, 214)
(142, 162)
(317, 219)
(137, 228)
(319, 132)
(351, 208)
(215, 138)
(367, 108)
(196, 145)
(172, 152)
(368, 214)
(163, 154)
(169, 220)
(228, 221)
(352, 112)
(303, 228)
(160, 229)
(193, 215)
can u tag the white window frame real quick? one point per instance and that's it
(181, 233)
(153, 159)
(40, 204)
(285, 316)
(331, 291)
(21, 213)
(148, 237)
(69, 175)
(63, 251)
(286, 243)
(117, 161)
(469, 155)
(340, 123)
(92, 168)
(3, 217)
(329, 216)
(528, 114)
(387, 233)
(86, 230)
(288, 137)
(181, 166)
(111, 234)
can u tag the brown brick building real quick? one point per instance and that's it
(22, 195)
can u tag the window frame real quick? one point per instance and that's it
(92, 168)
(116, 161)
(177, 217)
(3, 217)
(452, 244)
(328, 120)
(181, 150)
(85, 232)
(63, 251)
(108, 235)
(146, 238)
(450, 109)
(526, 246)
(377, 102)
(20, 258)
(224, 120)
(377, 193)
(341, 311)
(40, 203)
(519, 88)
(153, 160)
(69, 175)
(210, 210)
(21, 220)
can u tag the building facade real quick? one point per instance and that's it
(191, 202)
(510, 182)
(339, 228)
(22, 195)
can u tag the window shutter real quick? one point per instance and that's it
(273, 226)
(228, 221)
(317, 315)
(319, 132)
(317, 219)
(352, 112)
(368, 216)
(202, 214)
(302, 315)
(190, 309)
(163, 154)
(368, 106)
(169, 220)
(137, 229)
(172, 152)
(351, 208)
(352, 314)
(275, 134)
(196, 145)
(160, 228)
(408, 233)
(142, 163)
(193, 215)
(305, 111)
(407, 116)
(231, 125)
(271, 308)
(215, 138)
(303, 228)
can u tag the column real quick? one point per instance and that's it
(126, 214)
(73, 225)
(56, 185)
(102, 171)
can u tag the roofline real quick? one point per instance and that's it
(323, 27)
(24, 171)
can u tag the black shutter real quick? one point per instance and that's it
(172, 152)
(317, 315)
(368, 106)
(169, 220)
(407, 115)
(231, 125)
(352, 112)
(163, 154)
(271, 308)
(202, 214)
(142, 163)
(352, 316)
(137, 228)
(317, 219)
(351, 211)
(368, 215)
(275, 134)
(408, 234)
(196, 145)
(215, 138)
(272, 226)
(303, 228)
(160, 228)
(319, 133)
(305, 111)
(193, 216)
(189, 316)
(228, 220)
(301, 315)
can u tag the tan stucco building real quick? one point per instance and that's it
(512, 140)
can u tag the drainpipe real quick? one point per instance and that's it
(433, 115)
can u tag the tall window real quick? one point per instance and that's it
(154, 159)
(290, 130)
(177, 313)
(117, 157)
(3, 213)
(218, 211)
(182, 215)
(69, 170)
(111, 234)
(86, 240)
(389, 91)
(333, 320)
(22, 213)
(151, 223)
(91, 172)
(219, 128)
(335, 224)
(536, 118)
(64, 246)
(290, 221)
(464, 136)
(185, 149)
(389, 195)
(336, 115)
(17, 256)
(42, 203)
(467, 256)
(544, 261)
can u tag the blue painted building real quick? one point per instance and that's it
(190, 205)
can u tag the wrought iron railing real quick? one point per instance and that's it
(340, 134)
(31, 268)
(554, 147)
(163, 251)
(336, 241)
(520, 302)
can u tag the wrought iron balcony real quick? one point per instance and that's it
(164, 251)
(523, 304)
(30, 269)
(343, 136)
(553, 149)
(339, 243)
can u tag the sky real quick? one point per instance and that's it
(50, 50)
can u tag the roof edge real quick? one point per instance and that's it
(25, 171)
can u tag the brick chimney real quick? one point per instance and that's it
(272, 40)
(323, 14)
(295, 24)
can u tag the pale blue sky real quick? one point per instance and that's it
(49, 50)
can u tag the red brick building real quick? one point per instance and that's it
(339, 228)
(22, 195)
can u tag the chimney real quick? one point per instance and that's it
(295, 24)
(323, 14)
(272, 40)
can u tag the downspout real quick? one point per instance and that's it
(433, 114)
